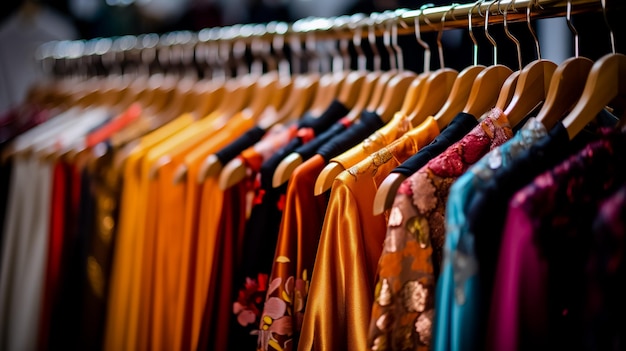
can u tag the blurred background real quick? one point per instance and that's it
(26, 24)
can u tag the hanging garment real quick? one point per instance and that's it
(457, 323)
(127, 250)
(604, 276)
(348, 248)
(537, 300)
(25, 246)
(409, 264)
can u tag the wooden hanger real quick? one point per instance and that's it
(394, 93)
(606, 83)
(212, 166)
(568, 82)
(262, 97)
(487, 87)
(458, 95)
(530, 91)
(438, 84)
(566, 87)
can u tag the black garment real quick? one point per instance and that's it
(309, 149)
(364, 127)
(462, 124)
(100, 239)
(246, 140)
(333, 113)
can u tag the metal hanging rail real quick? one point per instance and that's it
(335, 28)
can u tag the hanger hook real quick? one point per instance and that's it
(440, 33)
(608, 25)
(530, 27)
(471, 33)
(371, 37)
(394, 39)
(508, 32)
(439, 46)
(357, 42)
(491, 39)
(418, 35)
(387, 42)
(571, 27)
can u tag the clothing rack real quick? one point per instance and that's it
(226, 43)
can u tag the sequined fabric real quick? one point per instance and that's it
(408, 266)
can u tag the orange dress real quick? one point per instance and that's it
(341, 289)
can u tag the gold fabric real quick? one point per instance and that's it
(341, 291)
(126, 242)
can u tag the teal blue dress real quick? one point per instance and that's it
(457, 299)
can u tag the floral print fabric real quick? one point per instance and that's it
(402, 313)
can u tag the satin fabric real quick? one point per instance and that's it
(350, 243)
(457, 323)
(403, 310)
(128, 250)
